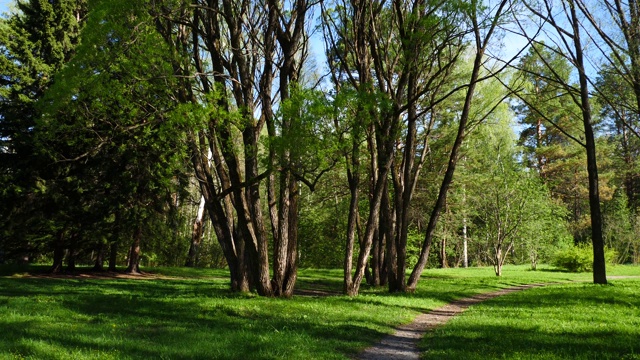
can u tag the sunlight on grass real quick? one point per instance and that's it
(192, 315)
(570, 321)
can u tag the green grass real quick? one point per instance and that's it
(569, 321)
(194, 316)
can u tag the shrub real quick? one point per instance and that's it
(579, 258)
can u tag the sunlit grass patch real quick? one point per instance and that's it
(193, 315)
(569, 321)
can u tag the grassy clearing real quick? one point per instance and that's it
(569, 321)
(193, 315)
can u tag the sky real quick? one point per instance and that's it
(4, 5)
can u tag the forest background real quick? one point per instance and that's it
(203, 133)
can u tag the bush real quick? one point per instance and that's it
(579, 258)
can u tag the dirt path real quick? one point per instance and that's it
(88, 274)
(402, 344)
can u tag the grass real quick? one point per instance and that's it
(194, 316)
(570, 321)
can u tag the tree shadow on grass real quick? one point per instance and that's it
(507, 342)
(576, 321)
(160, 319)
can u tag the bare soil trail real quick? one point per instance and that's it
(403, 343)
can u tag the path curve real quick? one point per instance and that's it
(403, 343)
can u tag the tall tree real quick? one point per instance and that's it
(397, 94)
(236, 61)
(108, 126)
(483, 24)
(35, 41)
(564, 21)
(550, 120)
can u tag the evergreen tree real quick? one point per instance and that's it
(109, 127)
(35, 43)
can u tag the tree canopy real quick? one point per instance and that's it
(415, 141)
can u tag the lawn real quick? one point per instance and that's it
(571, 321)
(192, 315)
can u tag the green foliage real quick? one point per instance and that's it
(323, 223)
(36, 41)
(579, 258)
(574, 258)
(507, 206)
(621, 230)
(103, 133)
(306, 129)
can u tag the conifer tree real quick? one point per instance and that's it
(35, 43)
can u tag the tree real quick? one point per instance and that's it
(484, 22)
(35, 43)
(235, 62)
(106, 126)
(551, 120)
(400, 93)
(565, 23)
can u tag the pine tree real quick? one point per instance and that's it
(35, 43)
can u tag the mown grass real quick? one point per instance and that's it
(569, 321)
(194, 316)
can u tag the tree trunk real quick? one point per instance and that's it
(58, 254)
(99, 262)
(134, 253)
(599, 267)
(374, 280)
(71, 253)
(196, 234)
(465, 253)
(113, 256)
(354, 180)
(392, 245)
(292, 262)
(497, 261)
(443, 253)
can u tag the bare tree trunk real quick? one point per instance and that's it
(72, 252)
(497, 261)
(58, 253)
(465, 252)
(134, 252)
(113, 256)
(443, 253)
(291, 274)
(99, 262)
(196, 234)
(353, 175)
(481, 45)
(599, 267)
(374, 280)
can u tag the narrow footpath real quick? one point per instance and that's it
(403, 343)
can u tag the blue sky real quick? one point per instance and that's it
(4, 5)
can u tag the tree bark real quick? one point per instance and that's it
(72, 252)
(599, 267)
(196, 234)
(113, 256)
(58, 253)
(465, 252)
(99, 262)
(134, 252)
